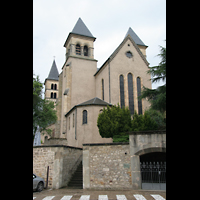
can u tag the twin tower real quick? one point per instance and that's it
(81, 91)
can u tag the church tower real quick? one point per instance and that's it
(76, 81)
(51, 84)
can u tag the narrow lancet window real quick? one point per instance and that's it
(130, 93)
(102, 82)
(121, 81)
(139, 94)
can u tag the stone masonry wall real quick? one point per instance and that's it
(109, 166)
(43, 157)
(62, 161)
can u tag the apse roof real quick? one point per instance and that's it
(94, 101)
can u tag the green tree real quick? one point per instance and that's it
(157, 97)
(114, 121)
(158, 117)
(43, 110)
(143, 122)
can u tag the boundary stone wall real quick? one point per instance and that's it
(62, 161)
(106, 166)
(117, 165)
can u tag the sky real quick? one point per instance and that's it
(107, 20)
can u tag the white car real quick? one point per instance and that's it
(38, 183)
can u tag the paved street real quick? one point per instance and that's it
(79, 194)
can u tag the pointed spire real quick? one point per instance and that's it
(53, 74)
(134, 36)
(81, 29)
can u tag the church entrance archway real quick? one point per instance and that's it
(153, 170)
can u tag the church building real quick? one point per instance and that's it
(82, 90)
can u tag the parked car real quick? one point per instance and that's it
(38, 183)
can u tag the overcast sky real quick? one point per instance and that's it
(107, 20)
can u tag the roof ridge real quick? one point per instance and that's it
(94, 99)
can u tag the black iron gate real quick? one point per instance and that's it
(153, 175)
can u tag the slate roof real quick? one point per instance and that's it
(92, 102)
(134, 36)
(53, 74)
(80, 29)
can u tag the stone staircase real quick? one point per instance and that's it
(77, 178)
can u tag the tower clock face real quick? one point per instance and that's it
(129, 54)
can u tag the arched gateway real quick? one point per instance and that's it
(148, 160)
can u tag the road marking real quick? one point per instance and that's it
(85, 197)
(48, 198)
(103, 197)
(121, 197)
(157, 197)
(139, 197)
(66, 198)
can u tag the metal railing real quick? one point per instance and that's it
(153, 172)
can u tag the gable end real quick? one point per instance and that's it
(118, 49)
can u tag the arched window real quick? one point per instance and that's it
(78, 49)
(52, 86)
(121, 84)
(85, 117)
(52, 95)
(85, 50)
(102, 88)
(55, 87)
(130, 93)
(139, 94)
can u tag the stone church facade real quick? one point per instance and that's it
(82, 90)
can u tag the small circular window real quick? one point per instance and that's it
(129, 54)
